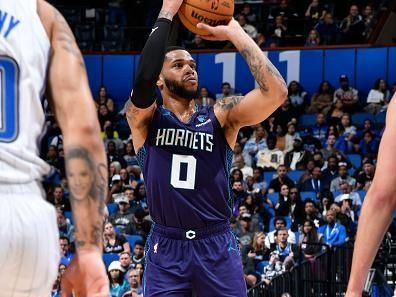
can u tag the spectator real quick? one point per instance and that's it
(312, 213)
(319, 130)
(113, 155)
(281, 179)
(345, 189)
(278, 30)
(134, 288)
(240, 164)
(288, 252)
(114, 243)
(103, 98)
(244, 232)
(259, 185)
(55, 160)
(205, 98)
(369, 20)
(261, 41)
(313, 38)
(284, 115)
(125, 178)
(104, 115)
(140, 269)
(226, 91)
(344, 220)
(377, 97)
(279, 223)
(125, 261)
(326, 200)
(367, 126)
(284, 10)
(311, 144)
(116, 188)
(65, 228)
(117, 12)
(296, 208)
(249, 29)
(197, 43)
(365, 178)
(297, 96)
(271, 157)
(249, 14)
(258, 251)
(353, 27)
(346, 207)
(335, 113)
(369, 144)
(138, 253)
(342, 176)
(123, 216)
(297, 159)
(116, 279)
(111, 135)
(316, 183)
(238, 155)
(314, 13)
(328, 30)
(65, 252)
(236, 175)
(255, 143)
(133, 203)
(274, 268)
(290, 136)
(280, 138)
(282, 207)
(334, 234)
(307, 173)
(139, 225)
(58, 199)
(321, 101)
(347, 130)
(309, 240)
(347, 94)
(248, 267)
(331, 171)
(330, 146)
(130, 155)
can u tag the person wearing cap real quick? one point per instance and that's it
(116, 279)
(297, 158)
(123, 216)
(243, 232)
(346, 206)
(273, 269)
(348, 95)
(366, 176)
(342, 176)
(115, 187)
(139, 225)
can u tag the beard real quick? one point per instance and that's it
(179, 90)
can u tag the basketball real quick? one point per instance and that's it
(211, 12)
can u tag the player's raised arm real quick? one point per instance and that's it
(141, 109)
(257, 105)
(86, 165)
(377, 209)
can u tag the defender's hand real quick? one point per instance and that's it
(221, 33)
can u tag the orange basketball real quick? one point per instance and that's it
(211, 12)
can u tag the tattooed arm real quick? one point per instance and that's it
(237, 111)
(86, 165)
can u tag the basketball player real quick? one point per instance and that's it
(378, 207)
(34, 39)
(185, 154)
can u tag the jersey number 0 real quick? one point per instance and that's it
(9, 77)
(191, 166)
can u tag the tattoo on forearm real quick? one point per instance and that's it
(228, 103)
(166, 15)
(273, 71)
(88, 186)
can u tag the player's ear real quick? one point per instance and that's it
(160, 82)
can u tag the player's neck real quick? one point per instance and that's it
(183, 109)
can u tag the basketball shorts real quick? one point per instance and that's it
(199, 263)
(29, 255)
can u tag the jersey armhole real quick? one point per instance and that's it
(218, 126)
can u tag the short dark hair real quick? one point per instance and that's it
(64, 238)
(279, 219)
(139, 242)
(309, 201)
(280, 229)
(174, 48)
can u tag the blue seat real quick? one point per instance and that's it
(112, 208)
(362, 194)
(268, 176)
(132, 240)
(308, 195)
(295, 175)
(380, 119)
(260, 267)
(271, 223)
(359, 118)
(356, 160)
(307, 120)
(69, 215)
(270, 211)
(110, 257)
(274, 197)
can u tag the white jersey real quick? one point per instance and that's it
(24, 54)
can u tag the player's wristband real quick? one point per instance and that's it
(151, 61)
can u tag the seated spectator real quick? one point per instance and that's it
(130, 155)
(345, 189)
(347, 130)
(284, 9)
(344, 220)
(261, 41)
(205, 98)
(313, 38)
(55, 160)
(311, 144)
(116, 188)
(322, 100)
(369, 20)
(307, 173)
(282, 207)
(116, 280)
(378, 96)
(140, 269)
(316, 183)
(249, 14)
(104, 115)
(114, 243)
(134, 288)
(346, 207)
(297, 159)
(331, 171)
(330, 148)
(367, 126)
(343, 176)
(111, 135)
(328, 30)
(123, 216)
(284, 115)
(319, 130)
(288, 252)
(334, 234)
(125, 261)
(103, 98)
(226, 91)
(347, 94)
(197, 43)
(236, 175)
(297, 96)
(279, 223)
(365, 178)
(65, 250)
(289, 137)
(335, 113)
(319, 160)
(369, 144)
(352, 27)
(138, 253)
(309, 240)
(259, 185)
(282, 179)
(125, 178)
(139, 225)
(271, 157)
(312, 213)
(134, 203)
(249, 29)
(58, 199)
(280, 137)
(326, 200)
(274, 268)
(65, 228)
(238, 195)
(244, 233)
(255, 219)
(255, 143)
(315, 12)
(278, 30)
(257, 250)
(114, 156)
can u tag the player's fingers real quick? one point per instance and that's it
(203, 26)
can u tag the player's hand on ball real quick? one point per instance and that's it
(86, 276)
(171, 6)
(220, 33)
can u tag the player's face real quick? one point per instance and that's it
(179, 76)
(80, 178)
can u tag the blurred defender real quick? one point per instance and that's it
(34, 40)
